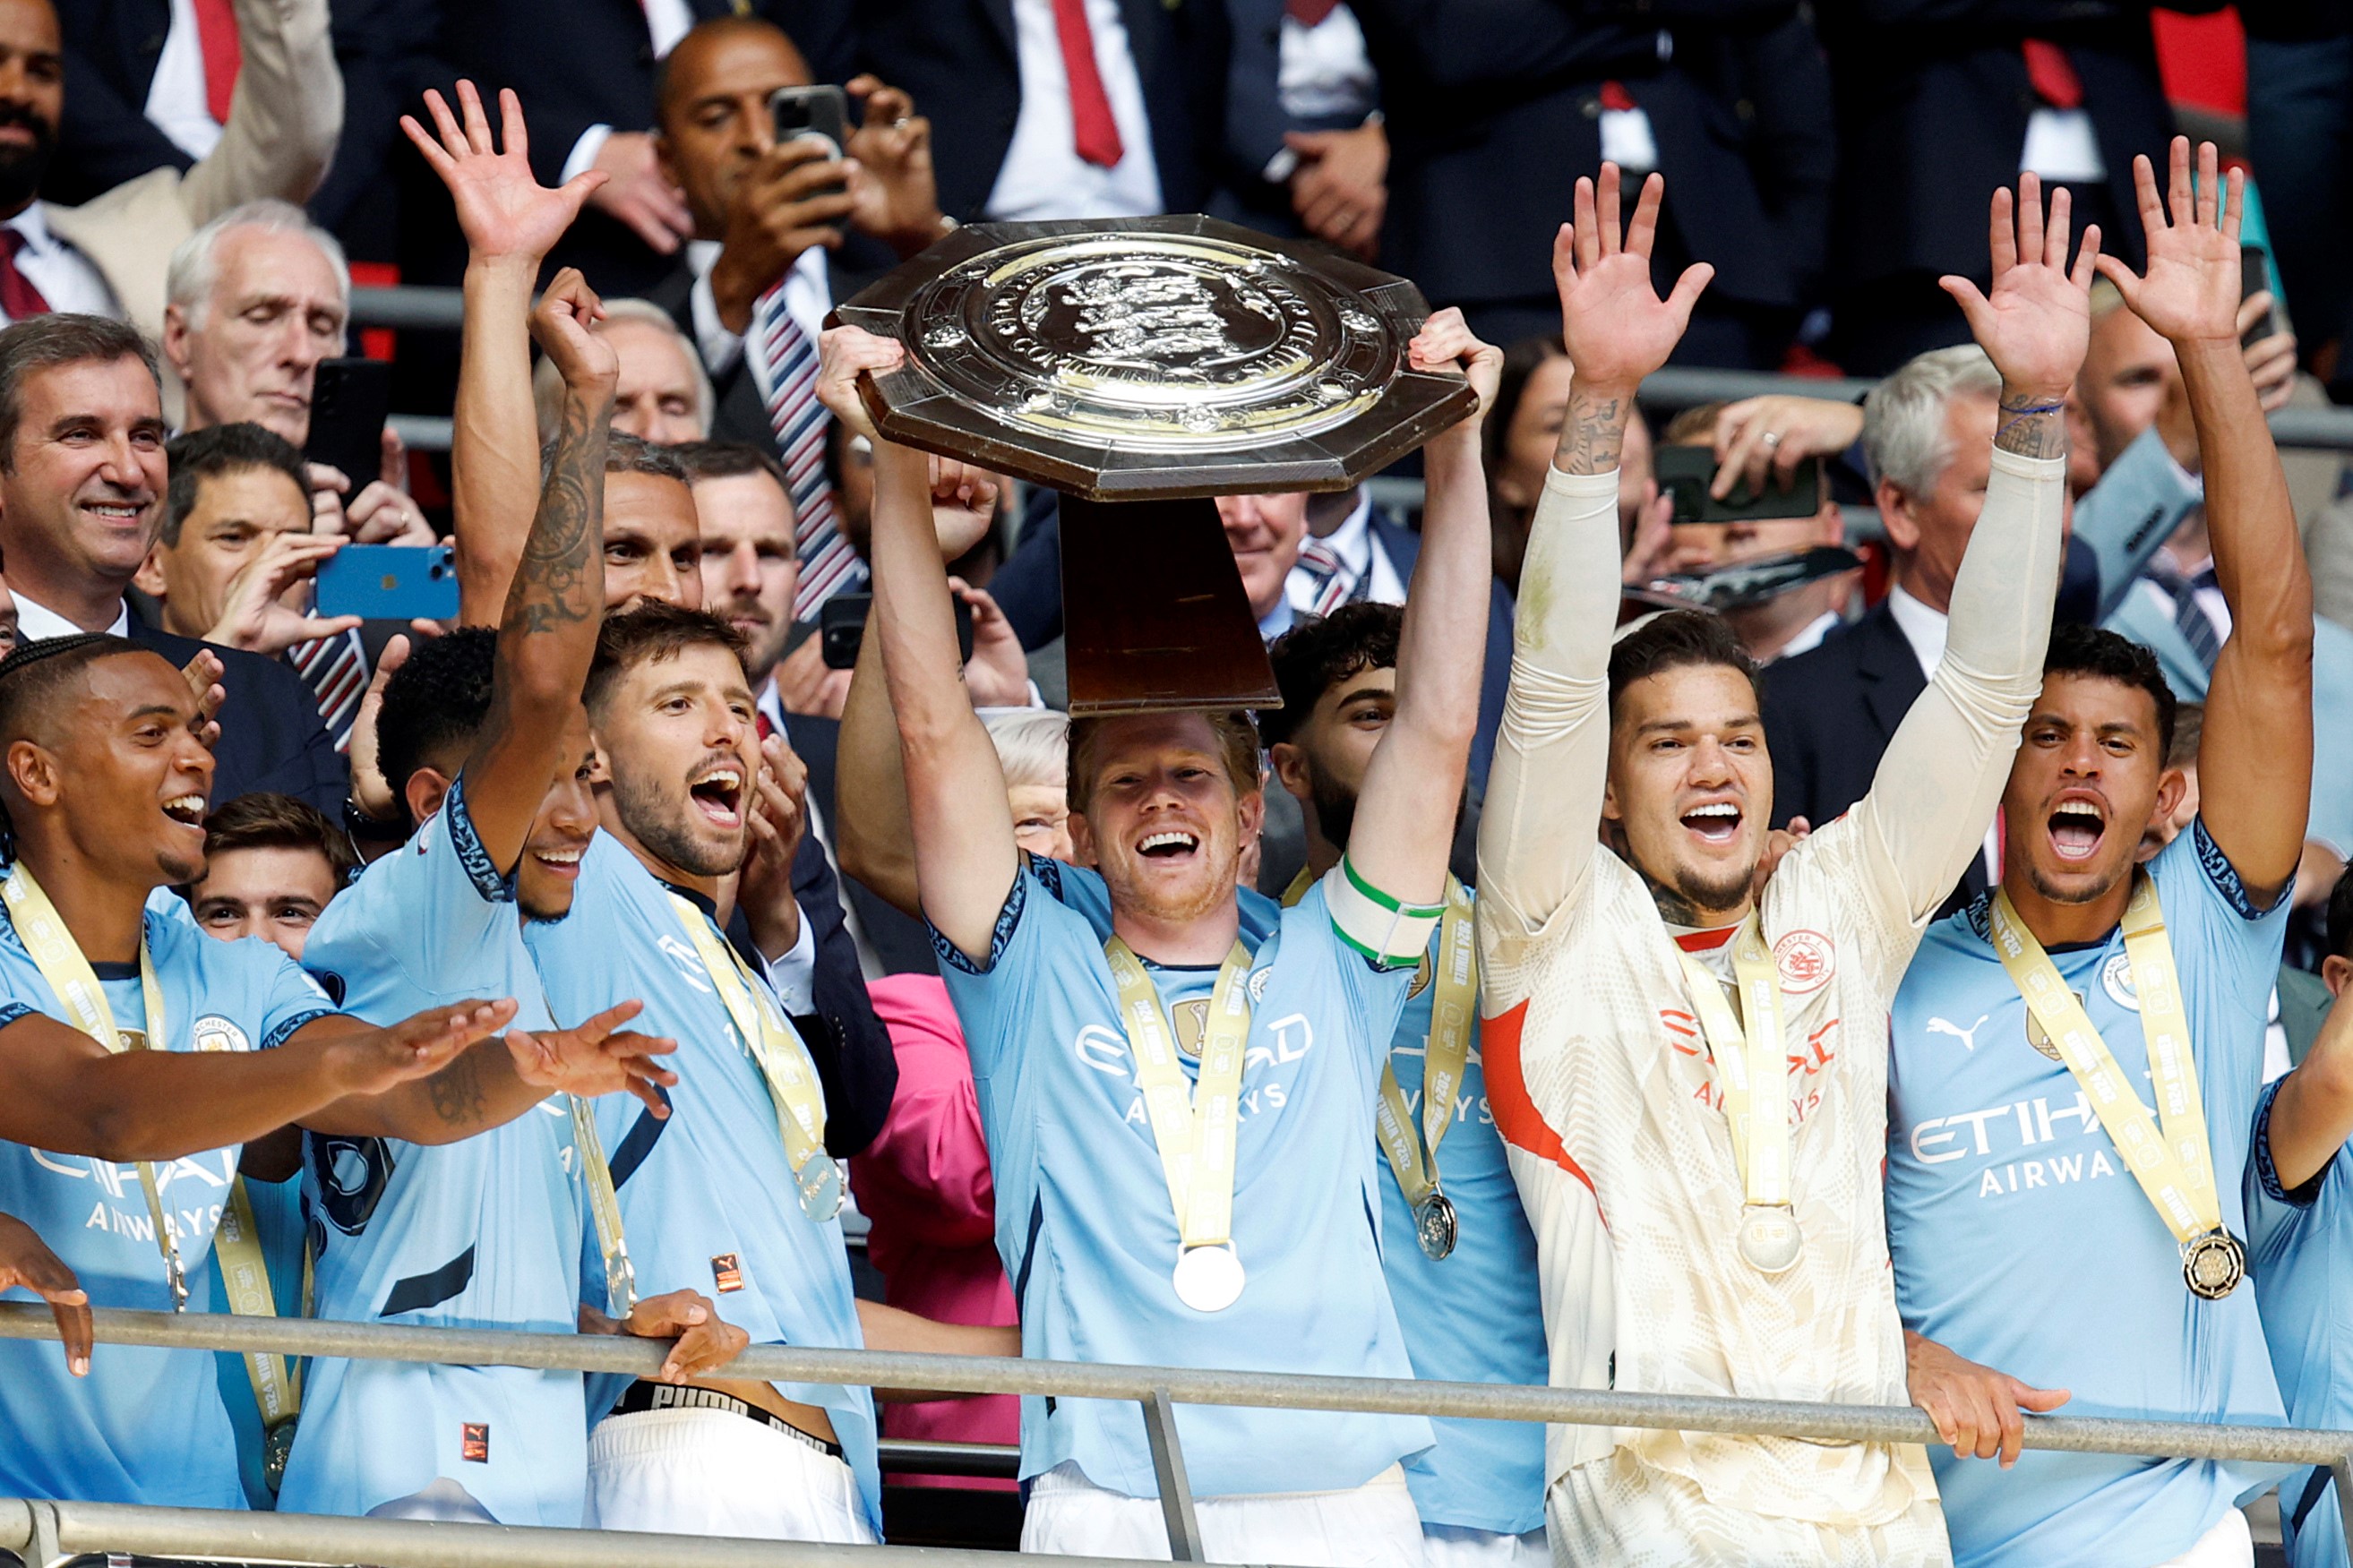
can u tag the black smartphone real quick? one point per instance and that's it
(1686, 472)
(821, 112)
(2254, 278)
(349, 399)
(841, 629)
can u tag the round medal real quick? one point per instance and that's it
(1208, 1279)
(2214, 1264)
(277, 1443)
(820, 1180)
(1769, 1240)
(1436, 1226)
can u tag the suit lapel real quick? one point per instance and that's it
(1001, 17)
(1890, 670)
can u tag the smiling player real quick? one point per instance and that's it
(1073, 986)
(1690, 1079)
(2006, 1151)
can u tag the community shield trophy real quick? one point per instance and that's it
(1139, 367)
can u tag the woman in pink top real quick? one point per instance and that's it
(923, 1183)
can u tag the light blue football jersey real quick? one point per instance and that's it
(1083, 1219)
(2300, 1250)
(707, 1195)
(145, 1426)
(480, 1233)
(2021, 1241)
(1475, 1316)
(277, 1220)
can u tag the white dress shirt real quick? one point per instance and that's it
(808, 296)
(666, 21)
(66, 278)
(1810, 636)
(38, 623)
(1926, 630)
(177, 104)
(2062, 147)
(1043, 177)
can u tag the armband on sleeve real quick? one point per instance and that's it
(1391, 933)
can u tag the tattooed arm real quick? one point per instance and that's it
(547, 633)
(1942, 775)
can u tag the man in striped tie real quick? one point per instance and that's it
(754, 289)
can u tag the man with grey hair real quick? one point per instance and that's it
(664, 394)
(1927, 435)
(254, 300)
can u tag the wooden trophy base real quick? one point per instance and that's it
(1154, 614)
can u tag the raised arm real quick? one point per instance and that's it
(510, 222)
(2254, 764)
(1943, 773)
(1538, 829)
(871, 787)
(1415, 776)
(547, 633)
(963, 827)
(284, 117)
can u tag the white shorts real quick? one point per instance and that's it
(1453, 1546)
(1618, 1513)
(2230, 1544)
(712, 1472)
(1371, 1526)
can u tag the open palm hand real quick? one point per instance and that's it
(1617, 329)
(2037, 323)
(2192, 288)
(503, 208)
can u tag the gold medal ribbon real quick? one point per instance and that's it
(1446, 1049)
(1748, 1054)
(783, 1061)
(277, 1386)
(2175, 1167)
(604, 1206)
(1193, 1129)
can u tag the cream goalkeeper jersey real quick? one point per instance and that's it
(1600, 1072)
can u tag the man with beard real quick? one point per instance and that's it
(108, 256)
(1064, 977)
(223, 1045)
(1690, 1078)
(486, 1228)
(736, 1184)
(2018, 1139)
(1461, 1260)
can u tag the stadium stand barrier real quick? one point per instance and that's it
(46, 1534)
(441, 310)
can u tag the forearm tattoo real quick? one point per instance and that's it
(1593, 435)
(457, 1091)
(2031, 428)
(551, 587)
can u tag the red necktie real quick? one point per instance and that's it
(217, 37)
(1094, 134)
(2052, 74)
(1310, 13)
(1615, 97)
(18, 297)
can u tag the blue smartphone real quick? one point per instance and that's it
(390, 582)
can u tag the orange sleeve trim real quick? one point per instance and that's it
(1516, 1116)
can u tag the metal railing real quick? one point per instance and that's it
(1156, 1389)
(1677, 386)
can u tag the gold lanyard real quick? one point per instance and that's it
(2175, 1167)
(1754, 1065)
(784, 1063)
(277, 1386)
(605, 1207)
(1446, 1055)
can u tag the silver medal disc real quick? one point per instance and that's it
(1436, 1226)
(820, 1180)
(2214, 1264)
(1769, 1241)
(1208, 1279)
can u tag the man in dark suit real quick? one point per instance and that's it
(1031, 127)
(1938, 99)
(82, 498)
(1304, 149)
(1928, 433)
(1490, 125)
